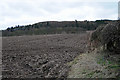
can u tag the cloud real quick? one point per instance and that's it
(23, 12)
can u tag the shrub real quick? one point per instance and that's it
(108, 36)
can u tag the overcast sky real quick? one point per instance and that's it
(23, 12)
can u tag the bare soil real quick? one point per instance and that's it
(40, 56)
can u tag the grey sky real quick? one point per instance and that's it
(22, 12)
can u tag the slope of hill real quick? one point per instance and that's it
(54, 27)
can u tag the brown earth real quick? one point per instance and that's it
(40, 55)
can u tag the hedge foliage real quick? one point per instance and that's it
(108, 36)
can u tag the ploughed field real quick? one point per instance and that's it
(40, 55)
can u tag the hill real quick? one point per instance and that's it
(54, 27)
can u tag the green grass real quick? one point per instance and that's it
(90, 75)
(108, 63)
(101, 61)
(116, 66)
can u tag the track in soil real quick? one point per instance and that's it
(40, 55)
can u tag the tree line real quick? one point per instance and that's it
(50, 27)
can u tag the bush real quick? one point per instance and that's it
(108, 36)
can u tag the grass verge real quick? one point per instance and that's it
(97, 64)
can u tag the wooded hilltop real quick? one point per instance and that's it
(54, 27)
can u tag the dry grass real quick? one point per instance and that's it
(94, 65)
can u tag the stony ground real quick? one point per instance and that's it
(41, 55)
